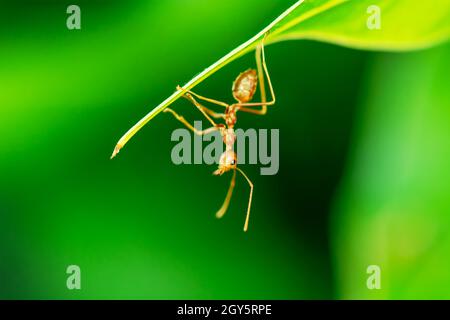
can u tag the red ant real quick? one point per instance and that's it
(244, 88)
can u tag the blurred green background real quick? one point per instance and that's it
(364, 161)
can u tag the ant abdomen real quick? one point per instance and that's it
(244, 87)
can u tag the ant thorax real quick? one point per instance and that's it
(230, 116)
(229, 138)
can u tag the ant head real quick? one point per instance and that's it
(228, 161)
(244, 87)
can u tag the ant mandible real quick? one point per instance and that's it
(244, 88)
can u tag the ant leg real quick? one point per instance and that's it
(223, 209)
(262, 112)
(201, 108)
(187, 124)
(249, 199)
(220, 103)
(210, 112)
(262, 86)
(214, 114)
(261, 66)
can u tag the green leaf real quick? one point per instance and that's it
(405, 25)
(393, 207)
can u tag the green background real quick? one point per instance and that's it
(364, 173)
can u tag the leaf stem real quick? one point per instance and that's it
(231, 56)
